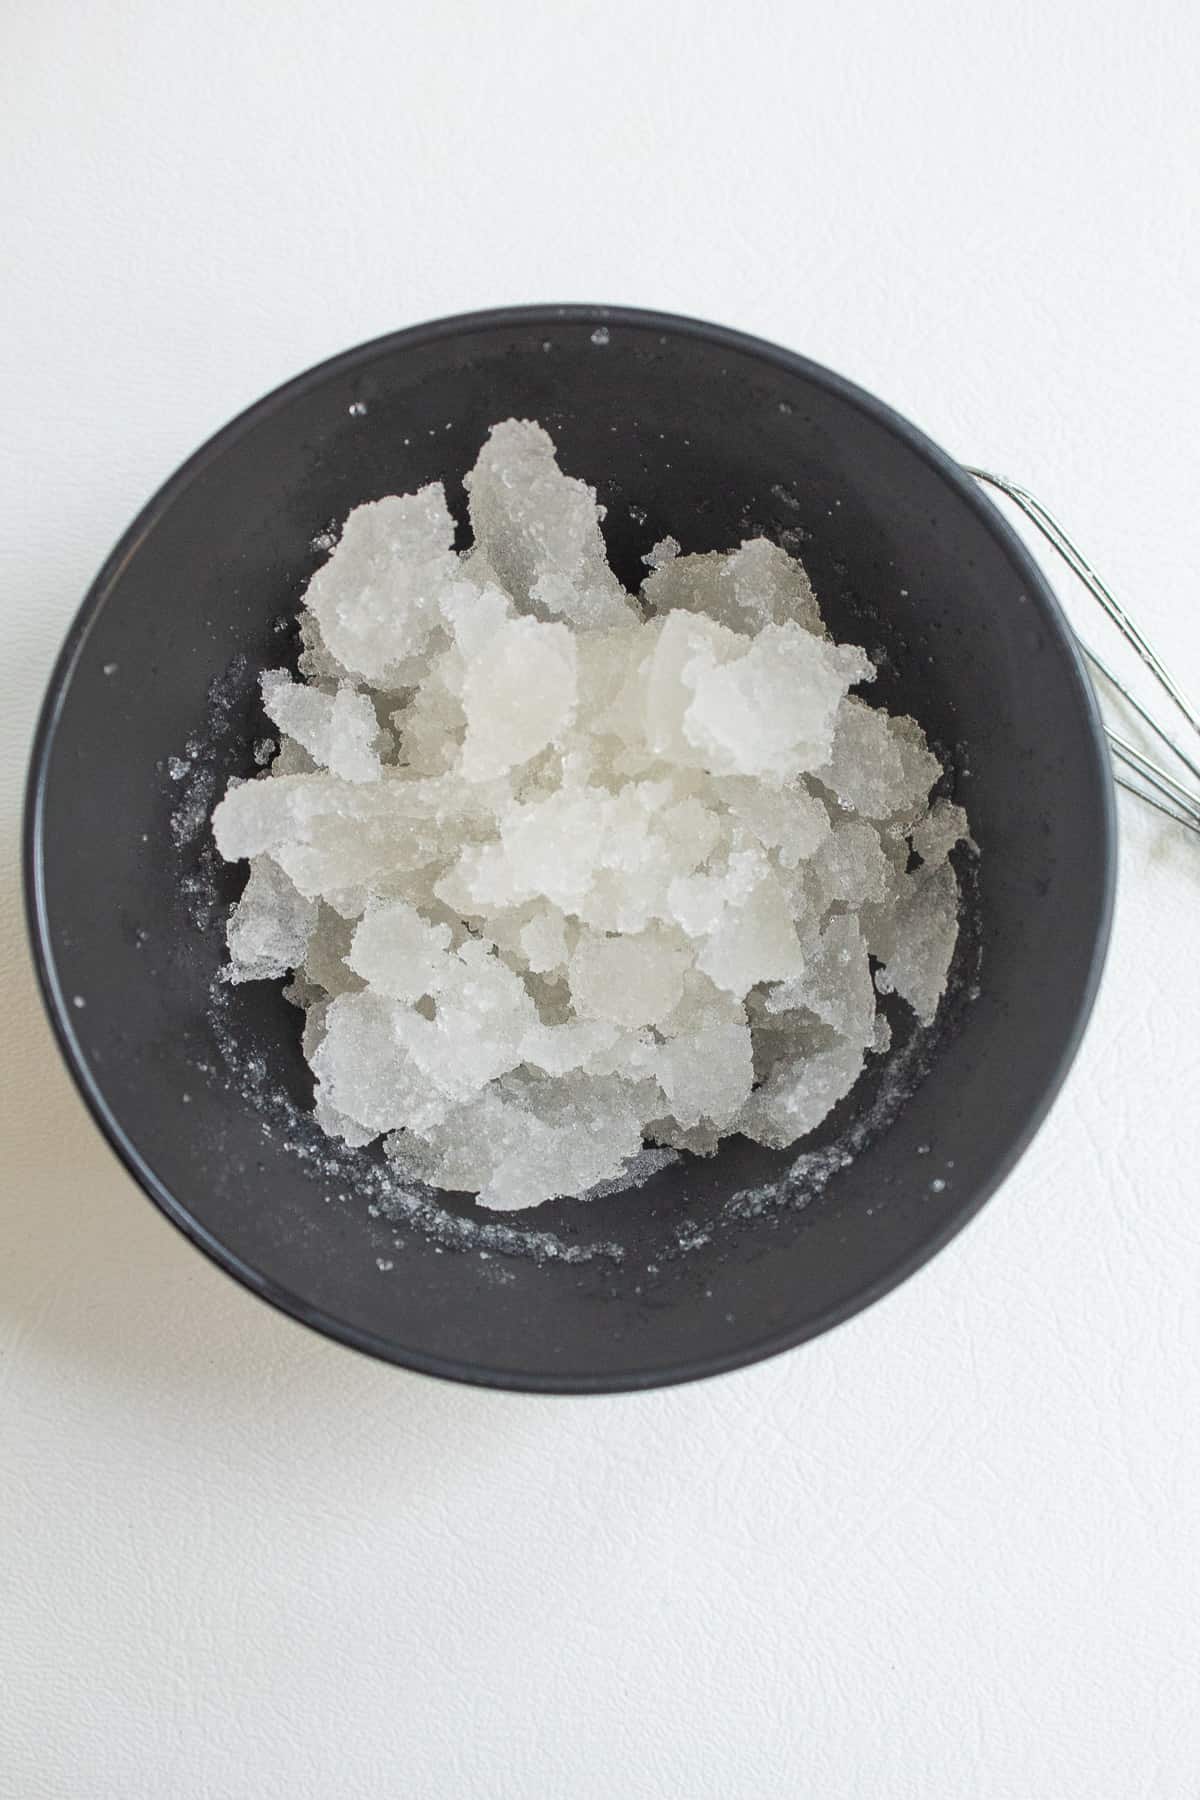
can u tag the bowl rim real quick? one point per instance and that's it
(54, 1001)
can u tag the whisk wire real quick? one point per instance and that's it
(1154, 785)
(1143, 712)
(1125, 752)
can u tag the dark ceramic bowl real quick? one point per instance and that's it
(685, 428)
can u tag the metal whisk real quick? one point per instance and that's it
(1149, 780)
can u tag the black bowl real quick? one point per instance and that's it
(685, 428)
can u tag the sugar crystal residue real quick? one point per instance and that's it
(353, 1175)
(569, 880)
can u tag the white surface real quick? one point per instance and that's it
(951, 1549)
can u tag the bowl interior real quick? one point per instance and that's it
(685, 429)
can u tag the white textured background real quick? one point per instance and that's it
(954, 1548)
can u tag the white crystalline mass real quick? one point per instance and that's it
(540, 529)
(339, 731)
(740, 922)
(835, 983)
(756, 585)
(707, 1075)
(944, 826)
(270, 927)
(787, 820)
(851, 866)
(518, 696)
(878, 766)
(555, 874)
(543, 941)
(363, 1071)
(518, 1138)
(376, 599)
(325, 966)
(630, 981)
(799, 1092)
(482, 1014)
(771, 712)
(915, 938)
(397, 952)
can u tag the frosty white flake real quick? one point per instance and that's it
(558, 874)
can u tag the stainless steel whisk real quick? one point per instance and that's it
(1137, 773)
